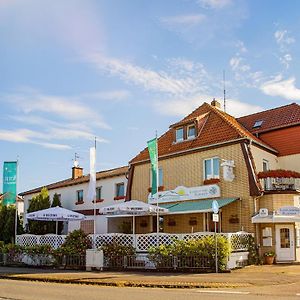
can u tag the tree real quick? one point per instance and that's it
(7, 223)
(38, 202)
(60, 226)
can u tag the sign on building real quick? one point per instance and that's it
(182, 193)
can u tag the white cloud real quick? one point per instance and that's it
(29, 137)
(182, 107)
(282, 88)
(214, 4)
(187, 20)
(241, 47)
(29, 101)
(159, 81)
(284, 40)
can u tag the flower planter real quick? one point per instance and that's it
(269, 260)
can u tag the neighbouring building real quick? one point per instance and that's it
(249, 165)
(110, 189)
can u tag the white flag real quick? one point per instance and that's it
(92, 184)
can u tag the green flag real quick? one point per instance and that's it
(9, 182)
(152, 148)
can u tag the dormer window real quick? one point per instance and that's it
(257, 124)
(191, 132)
(179, 134)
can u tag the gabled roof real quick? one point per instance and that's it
(278, 117)
(68, 182)
(214, 126)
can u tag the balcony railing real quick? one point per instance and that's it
(279, 180)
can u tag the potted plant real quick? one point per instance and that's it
(269, 257)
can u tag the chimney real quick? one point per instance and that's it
(216, 104)
(77, 172)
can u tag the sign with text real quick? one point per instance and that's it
(9, 182)
(182, 193)
(289, 211)
(215, 217)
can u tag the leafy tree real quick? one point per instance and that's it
(38, 202)
(7, 223)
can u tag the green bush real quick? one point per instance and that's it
(75, 243)
(202, 248)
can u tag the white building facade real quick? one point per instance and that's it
(111, 188)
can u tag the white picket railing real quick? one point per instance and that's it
(141, 242)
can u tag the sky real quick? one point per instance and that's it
(122, 70)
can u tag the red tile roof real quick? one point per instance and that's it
(214, 126)
(278, 117)
(68, 182)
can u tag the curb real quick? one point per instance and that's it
(140, 284)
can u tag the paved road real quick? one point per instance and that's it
(23, 290)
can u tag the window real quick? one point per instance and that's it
(80, 196)
(120, 191)
(179, 134)
(211, 168)
(160, 177)
(191, 132)
(98, 192)
(257, 124)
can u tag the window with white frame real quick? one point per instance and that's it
(211, 168)
(99, 193)
(191, 132)
(179, 134)
(160, 177)
(120, 189)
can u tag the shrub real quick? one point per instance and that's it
(114, 252)
(202, 248)
(75, 243)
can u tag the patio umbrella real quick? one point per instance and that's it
(55, 214)
(133, 208)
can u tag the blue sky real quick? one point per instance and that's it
(122, 69)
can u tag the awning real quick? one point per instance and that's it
(275, 219)
(200, 206)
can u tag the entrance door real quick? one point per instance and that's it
(285, 243)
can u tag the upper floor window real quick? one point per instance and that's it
(179, 134)
(191, 132)
(120, 189)
(211, 168)
(79, 195)
(99, 193)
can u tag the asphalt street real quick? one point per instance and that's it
(24, 290)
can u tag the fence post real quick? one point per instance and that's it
(125, 262)
(175, 262)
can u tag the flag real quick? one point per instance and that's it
(152, 148)
(92, 184)
(9, 182)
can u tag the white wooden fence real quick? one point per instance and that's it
(141, 242)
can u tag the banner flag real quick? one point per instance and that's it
(92, 184)
(9, 182)
(152, 148)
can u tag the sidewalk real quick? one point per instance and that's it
(246, 277)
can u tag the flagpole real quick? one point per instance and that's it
(95, 199)
(16, 213)
(157, 182)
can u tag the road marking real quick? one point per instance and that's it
(225, 292)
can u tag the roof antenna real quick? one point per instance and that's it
(224, 91)
(76, 162)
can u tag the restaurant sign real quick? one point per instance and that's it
(289, 211)
(182, 193)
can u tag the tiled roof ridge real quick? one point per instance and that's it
(69, 180)
(268, 110)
